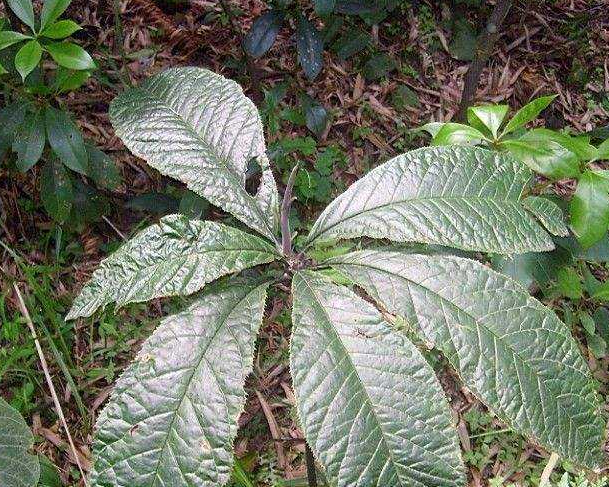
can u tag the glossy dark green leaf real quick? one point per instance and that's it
(102, 169)
(29, 140)
(172, 417)
(51, 11)
(70, 55)
(175, 257)
(18, 467)
(24, 10)
(199, 127)
(371, 407)
(509, 349)
(544, 157)
(463, 197)
(263, 33)
(527, 113)
(66, 140)
(309, 45)
(590, 209)
(27, 58)
(324, 7)
(61, 29)
(69, 80)
(487, 117)
(56, 190)
(457, 133)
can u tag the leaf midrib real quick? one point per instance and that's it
(496, 338)
(497, 201)
(394, 463)
(231, 173)
(189, 257)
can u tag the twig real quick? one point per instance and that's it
(120, 234)
(47, 375)
(274, 429)
(484, 49)
(286, 236)
(311, 472)
(544, 481)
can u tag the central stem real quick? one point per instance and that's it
(286, 236)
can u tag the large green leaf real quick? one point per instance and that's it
(527, 113)
(197, 126)
(29, 140)
(590, 208)
(178, 256)
(263, 33)
(513, 352)
(18, 468)
(371, 407)
(51, 11)
(25, 11)
(463, 197)
(66, 140)
(172, 417)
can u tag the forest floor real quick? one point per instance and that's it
(410, 73)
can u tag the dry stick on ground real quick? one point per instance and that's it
(544, 481)
(484, 48)
(47, 375)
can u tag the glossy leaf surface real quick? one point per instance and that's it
(590, 209)
(51, 11)
(263, 33)
(487, 117)
(371, 407)
(172, 417)
(70, 55)
(177, 256)
(509, 349)
(528, 113)
(18, 467)
(309, 45)
(463, 197)
(199, 127)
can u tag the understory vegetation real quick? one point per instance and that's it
(304, 243)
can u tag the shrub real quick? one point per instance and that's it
(370, 405)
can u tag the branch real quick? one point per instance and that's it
(286, 236)
(484, 48)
